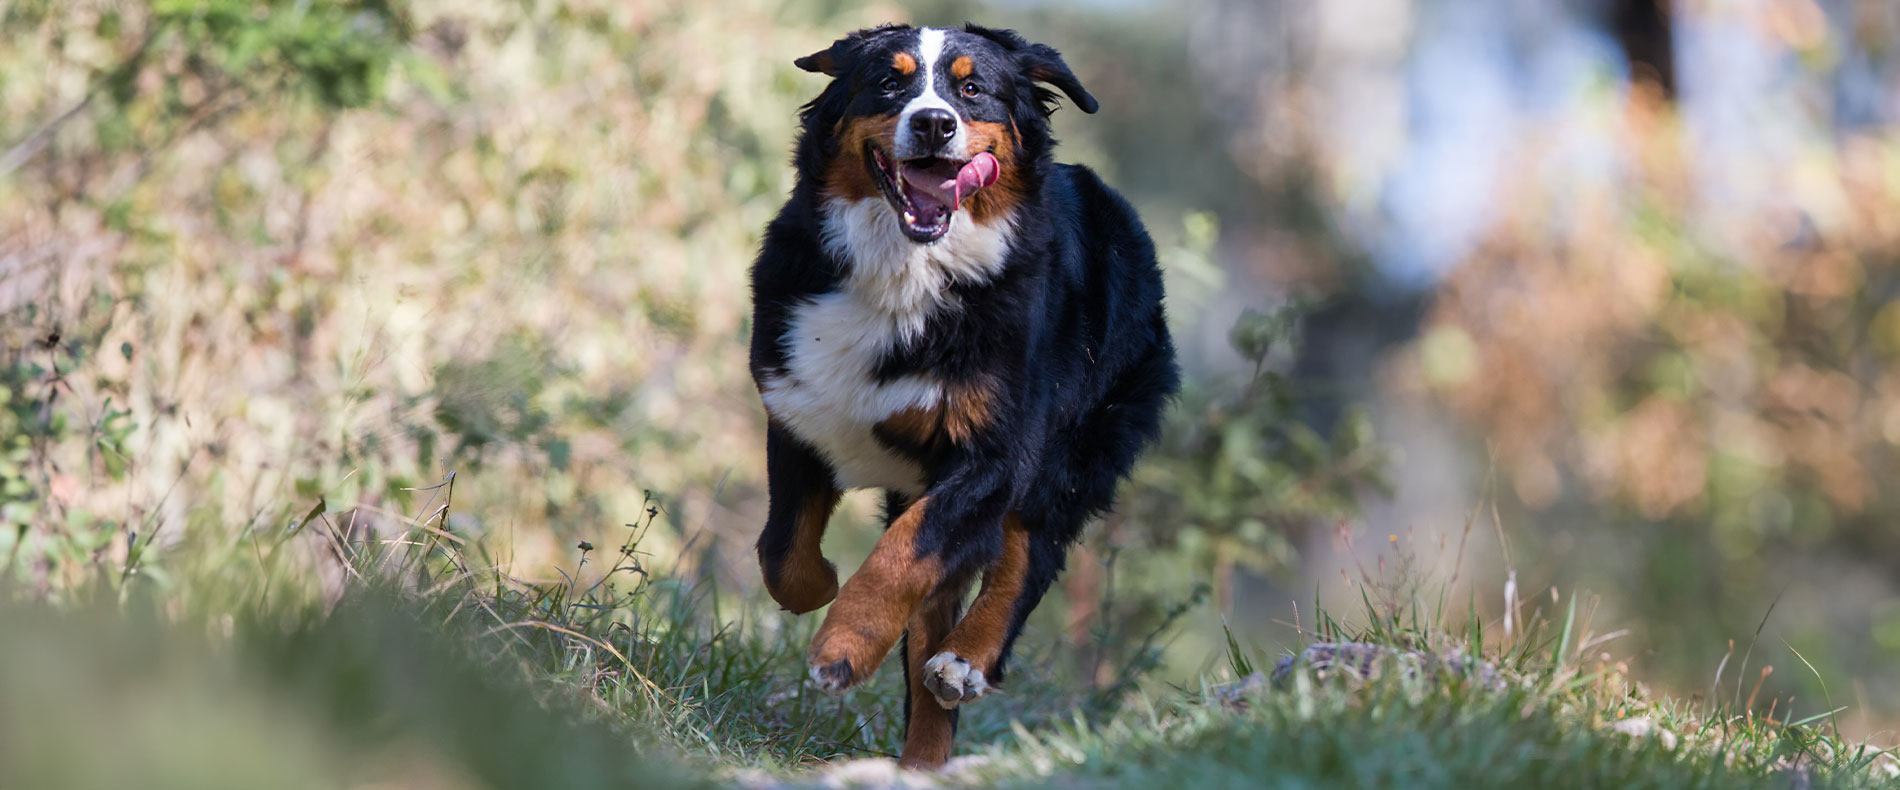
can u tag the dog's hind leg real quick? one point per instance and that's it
(929, 729)
(969, 663)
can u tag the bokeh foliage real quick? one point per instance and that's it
(374, 691)
(1709, 393)
(325, 255)
(262, 253)
(1238, 473)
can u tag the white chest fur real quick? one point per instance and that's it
(828, 393)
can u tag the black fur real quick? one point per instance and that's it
(1070, 334)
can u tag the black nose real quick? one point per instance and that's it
(933, 127)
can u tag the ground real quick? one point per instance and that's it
(425, 673)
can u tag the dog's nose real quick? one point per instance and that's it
(933, 127)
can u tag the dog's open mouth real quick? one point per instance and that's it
(926, 192)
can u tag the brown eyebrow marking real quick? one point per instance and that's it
(962, 67)
(904, 63)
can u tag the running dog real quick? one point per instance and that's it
(943, 312)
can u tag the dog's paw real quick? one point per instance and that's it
(832, 677)
(804, 588)
(851, 643)
(953, 680)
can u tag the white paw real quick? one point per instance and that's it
(953, 680)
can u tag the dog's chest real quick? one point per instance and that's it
(829, 395)
(828, 392)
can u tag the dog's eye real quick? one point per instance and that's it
(889, 84)
(971, 90)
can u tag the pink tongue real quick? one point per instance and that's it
(976, 174)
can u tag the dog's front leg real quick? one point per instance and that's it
(942, 536)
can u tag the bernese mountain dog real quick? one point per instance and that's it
(943, 312)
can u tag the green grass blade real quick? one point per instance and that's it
(1562, 647)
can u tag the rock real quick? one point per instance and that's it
(1360, 661)
(963, 769)
(750, 778)
(1235, 694)
(1643, 726)
(875, 772)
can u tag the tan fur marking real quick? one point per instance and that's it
(904, 63)
(848, 176)
(877, 601)
(979, 636)
(929, 731)
(999, 199)
(962, 67)
(967, 409)
(914, 428)
(806, 580)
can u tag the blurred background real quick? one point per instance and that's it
(1500, 305)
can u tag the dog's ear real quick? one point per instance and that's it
(835, 59)
(1044, 64)
(1040, 63)
(821, 62)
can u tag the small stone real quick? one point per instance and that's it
(1643, 726)
(876, 772)
(961, 769)
(1638, 727)
(751, 779)
(1235, 694)
(1360, 661)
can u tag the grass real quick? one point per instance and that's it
(1548, 726)
(431, 669)
(379, 690)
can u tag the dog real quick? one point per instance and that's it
(943, 312)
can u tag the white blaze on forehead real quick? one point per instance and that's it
(929, 51)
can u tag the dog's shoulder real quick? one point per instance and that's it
(1099, 243)
(1078, 191)
(791, 261)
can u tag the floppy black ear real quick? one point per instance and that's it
(836, 58)
(826, 61)
(820, 62)
(1044, 64)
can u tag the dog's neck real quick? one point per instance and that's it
(901, 278)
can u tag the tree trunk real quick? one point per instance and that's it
(1644, 29)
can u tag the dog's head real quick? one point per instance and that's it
(934, 120)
